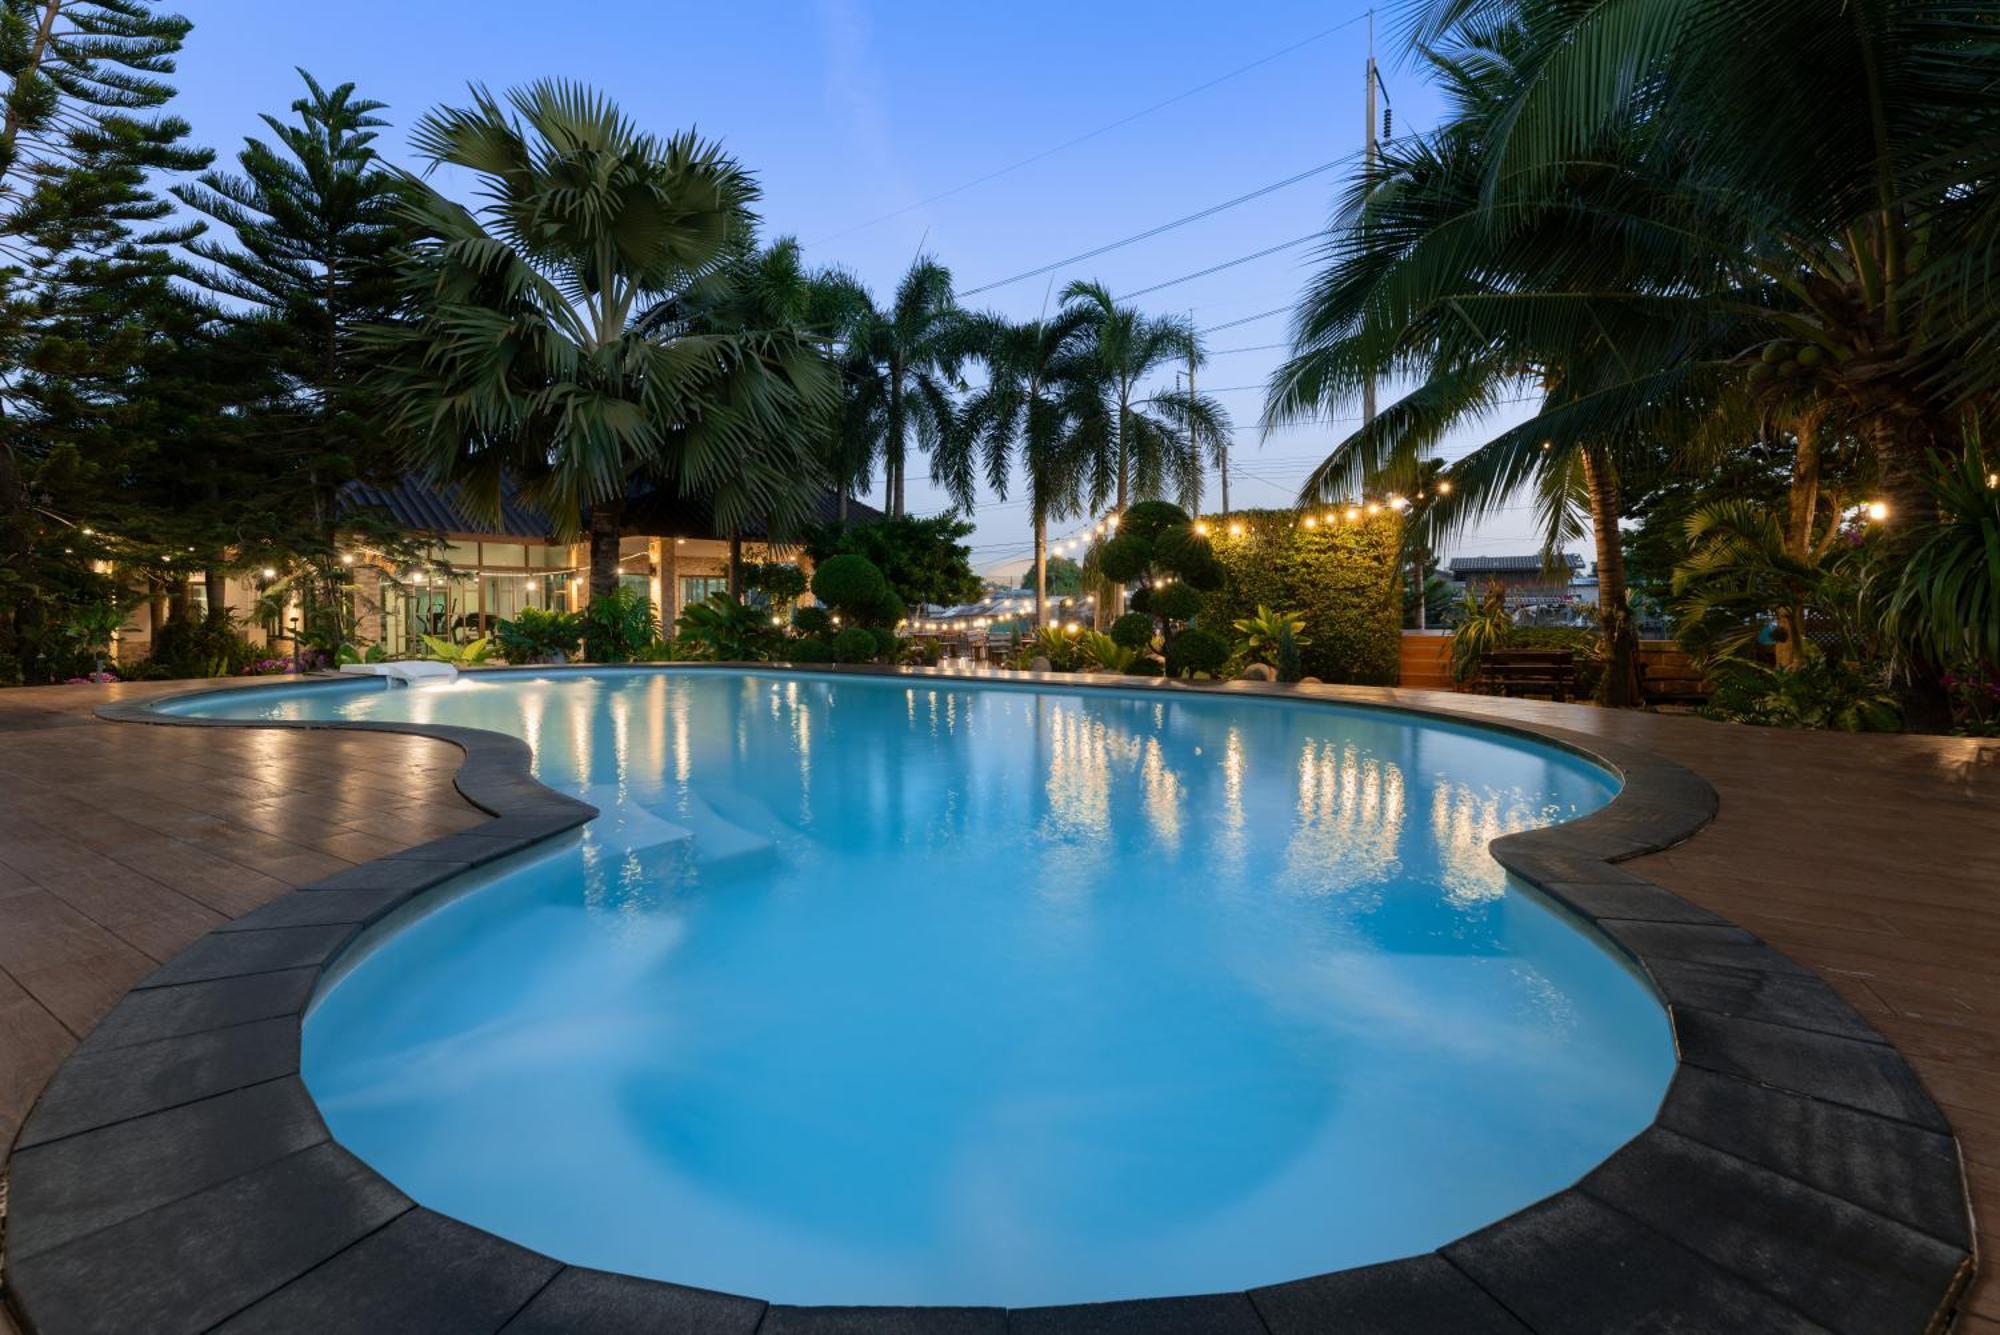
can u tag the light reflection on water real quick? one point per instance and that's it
(863, 991)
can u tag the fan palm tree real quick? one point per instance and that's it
(903, 372)
(522, 352)
(1150, 440)
(1036, 404)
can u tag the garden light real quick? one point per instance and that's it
(1878, 510)
(270, 573)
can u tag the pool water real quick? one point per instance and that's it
(922, 991)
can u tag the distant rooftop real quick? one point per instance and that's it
(1511, 565)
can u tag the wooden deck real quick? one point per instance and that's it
(1875, 860)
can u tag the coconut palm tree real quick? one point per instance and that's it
(1152, 440)
(1035, 405)
(522, 353)
(903, 371)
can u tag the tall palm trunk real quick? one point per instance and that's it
(1801, 506)
(1901, 445)
(1620, 688)
(217, 585)
(736, 566)
(892, 453)
(605, 519)
(1041, 568)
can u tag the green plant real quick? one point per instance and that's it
(856, 644)
(1104, 654)
(1054, 643)
(1483, 624)
(1287, 662)
(469, 654)
(1259, 634)
(1821, 692)
(807, 651)
(1344, 581)
(617, 625)
(1178, 602)
(1134, 630)
(1945, 599)
(921, 653)
(1194, 651)
(725, 630)
(813, 621)
(852, 586)
(778, 583)
(1147, 666)
(535, 635)
(208, 646)
(888, 645)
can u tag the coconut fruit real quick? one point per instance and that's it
(1811, 355)
(1774, 353)
(1761, 371)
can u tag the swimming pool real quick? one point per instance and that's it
(882, 990)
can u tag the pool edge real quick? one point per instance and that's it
(1753, 1030)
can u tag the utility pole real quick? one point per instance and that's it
(1368, 150)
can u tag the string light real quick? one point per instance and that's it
(1444, 486)
(1236, 529)
(1878, 510)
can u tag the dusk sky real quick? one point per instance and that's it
(871, 125)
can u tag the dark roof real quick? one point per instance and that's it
(428, 508)
(1510, 565)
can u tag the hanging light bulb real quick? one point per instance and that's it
(1236, 529)
(1397, 503)
(1878, 510)
(1444, 486)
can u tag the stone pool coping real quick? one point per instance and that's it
(175, 1174)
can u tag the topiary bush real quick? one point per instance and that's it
(856, 644)
(1134, 630)
(808, 651)
(1147, 666)
(852, 586)
(1196, 650)
(812, 621)
(1176, 602)
(888, 645)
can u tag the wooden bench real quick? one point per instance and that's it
(1662, 684)
(1550, 672)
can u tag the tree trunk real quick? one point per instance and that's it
(1902, 448)
(1417, 573)
(843, 501)
(217, 585)
(604, 525)
(1041, 569)
(1801, 505)
(156, 608)
(1620, 687)
(736, 566)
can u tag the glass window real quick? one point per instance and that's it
(697, 588)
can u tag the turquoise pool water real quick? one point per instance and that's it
(915, 991)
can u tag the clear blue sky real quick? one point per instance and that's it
(848, 110)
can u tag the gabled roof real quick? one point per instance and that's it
(426, 508)
(1510, 565)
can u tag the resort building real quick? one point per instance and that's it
(482, 572)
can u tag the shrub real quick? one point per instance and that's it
(1124, 558)
(1484, 623)
(1176, 602)
(808, 651)
(207, 646)
(618, 625)
(1821, 692)
(856, 644)
(1104, 653)
(887, 644)
(1134, 630)
(1258, 634)
(921, 653)
(725, 630)
(851, 585)
(1196, 650)
(1053, 643)
(1148, 666)
(536, 636)
(812, 621)
(780, 582)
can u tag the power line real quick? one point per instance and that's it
(1100, 130)
(1248, 319)
(1226, 264)
(1254, 347)
(1151, 232)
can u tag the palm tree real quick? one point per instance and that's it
(523, 353)
(903, 372)
(1035, 403)
(791, 318)
(1151, 439)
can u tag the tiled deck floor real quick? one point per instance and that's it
(1875, 860)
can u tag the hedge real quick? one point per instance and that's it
(1343, 578)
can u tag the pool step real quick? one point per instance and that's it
(694, 830)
